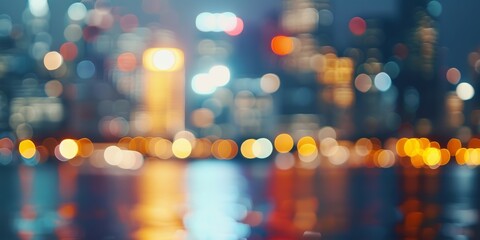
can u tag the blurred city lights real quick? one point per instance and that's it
(27, 149)
(219, 22)
(434, 8)
(283, 143)
(69, 51)
(181, 148)
(363, 82)
(262, 148)
(224, 149)
(465, 91)
(238, 29)
(269, 83)
(163, 59)
(284, 161)
(85, 147)
(216, 193)
(382, 81)
(220, 75)
(307, 149)
(86, 69)
(52, 60)
(247, 148)
(385, 158)
(207, 83)
(328, 147)
(315, 109)
(68, 148)
(113, 155)
(392, 69)
(282, 45)
(363, 146)
(126, 62)
(203, 84)
(128, 22)
(453, 75)
(161, 148)
(357, 26)
(73, 32)
(77, 11)
(38, 8)
(307, 152)
(340, 155)
(53, 88)
(431, 156)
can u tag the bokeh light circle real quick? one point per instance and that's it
(85, 69)
(269, 83)
(68, 148)
(465, 91)
(52, 60)
(382, 82)
(357, 26)
(262, 148)
(282, 45)
(77, 11)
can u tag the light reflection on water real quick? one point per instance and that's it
(161, 201)
(212, 199)
(217, 201)
(462, 205)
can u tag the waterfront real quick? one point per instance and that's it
(214, 199)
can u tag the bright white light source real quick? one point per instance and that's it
(262, 148)
(269, 83)
(68, 148)
(216, 22)
(382, 82)
(52, 60)
(164, 59)
(113, 155)
(38, 8)
(132, 160)
(220, 75)
(227, 21)
(77, 11)
(205, 21)
(465, 91)
(203, 84)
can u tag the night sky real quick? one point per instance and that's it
(457, 24)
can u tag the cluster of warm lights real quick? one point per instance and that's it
(337, 72)
(423, 152)
(64, 150)
(129, 152)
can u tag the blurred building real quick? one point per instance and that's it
(420, 90)
(30, 106)
(163, 92)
